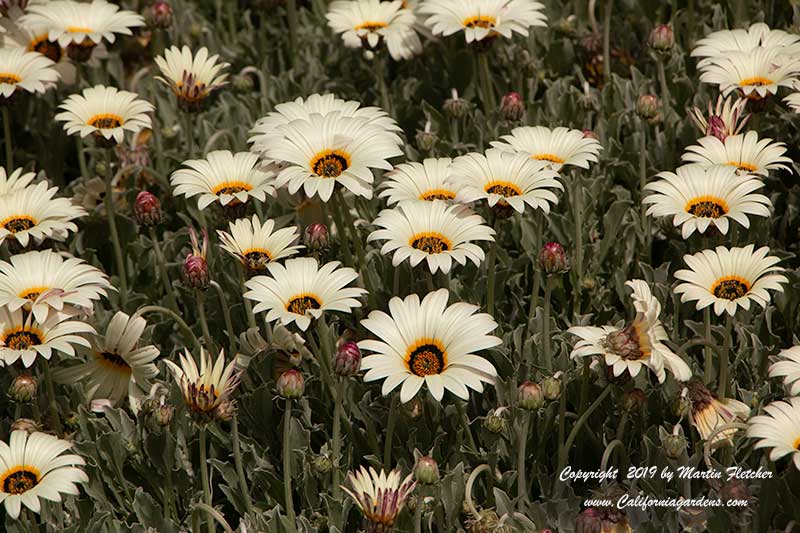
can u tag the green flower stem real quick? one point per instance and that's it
(291, 15)
(115, 240)
(8, 140)
(204, 477)
(162, 267)
(324, 353)
(200, 297)
(350, 227)
(723, 386)
(562, 418)
(52, 405)
(341, 391)
(237, 459)
(387, 445)
(564, 452)
(607, 42)
(344, 245)
(226, 313)
(487, 90)
(546, 344)
(81, 157)
(642, 184)
(708, 359)
(189, 133)
(467, 430)
(287, 467)
(418, 511)
(170, 508)
(577, 201)
(666, 98)
(248, 307)
(187, 331)
(490, 271)
(522, 485)
(380, 75)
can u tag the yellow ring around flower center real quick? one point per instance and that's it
(742, 165)
(22, 338)
(553, 158)
(303, 302)
(756, 81)
(19, 479)
(31, 293)
(78, 29)
(330, 163)
(437, 194)
(256, 259)
(796, 443)
(105, 121)
(371, 26)
(17, 223)
(426, 357)
(503, 188)
(730, 287)
(480, 21)
(10, 78)
(231, 187)
(431, 242)
(707, 207)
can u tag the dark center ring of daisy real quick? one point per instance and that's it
(429, 243)
(301, 304)
(437, 195)
(230, 190)
(480, 22)
(503, 190)
(115, 360)
(106, 121)
(11, 79)
(707, 209)
(16, 224)
(20, 481)
(256, 260)
(22, 340)
(330, 166)
(730, 288)
(30, 295)
(49, 49)
(426, 360)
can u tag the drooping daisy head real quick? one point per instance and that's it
(558, 147)
(697, 197)
(16, 181)
(32, 214)
(779, 429)
(105, 112)
(321, 151)
(302, 290)
(379, 496)
(709, 413)
(744, 152)
(44, 281)
(21, 70)
(116, 366)
(224, 177)
(255, 244)
(23, 337)
(32, 466)
(435, 232)
(787, 366)
(204, 390)
(720, 43)
(730, 278)
(483, 20)
(428, 342)
(754, 74)
(192, 77)
(793, 100)
(371, 23)
(429, 180)
(722, 120)
(505, 178)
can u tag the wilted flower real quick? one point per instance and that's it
(647, 107)
(25, 424)
(322, 464)
(23, 388)
(662, 38)
(191, 77)
(710, 413)
(553, 259)
(347, 361)
(290, 384)
(380, 497)
(195, 267)
(147, 209)
(530, 396)
(512, 107)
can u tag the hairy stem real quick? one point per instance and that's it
(204, 477)
(52, 405)
(522, 485)
(287, 466)
(162, 267)
(546, 344)
(490, 272)
(237, 459)
(115, 240)
(201, 311)
(387, 446)
(723, 385)
(341, 390)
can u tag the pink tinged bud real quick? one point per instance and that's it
(647, 106)
(551, 388)
(347, 361)
(23, 388)
(589, 134)
(147, 209)
(512, 107)
(426, 470)
(291, 384)
(717, 128)
(160, 14)
(662, 38)
(589, 521)
(195, 271)
(530, 396)
(316, 238)
(553, 259)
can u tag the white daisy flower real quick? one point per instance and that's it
(32, 466)
(205, 389)
(698, 197)
(16, 181)
(793, 100)
(720, 43)
(105, 112)
(725, 119)
(745, 152)
(778, 429)
(302, 290)
(429, 180)
(192, 78)
(25, 71)
(559, 146)
(36, 38)
(224, 177)
(44, 282)
(23, 337)
(429, 343)
(505, 178)
(730, 278)
(435, 232)
(255, 244)
(788, 367)
(115, 367)
(322, 151)
(754, 74)
(33, 214)
(483, 19)
(380, 497)
(709, 413)
(371, 23)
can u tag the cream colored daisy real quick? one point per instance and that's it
(745, 152)
(754, 73)
(558, 147)
(302, 290)
(697, 197)
(115, 367)
(191, 77)
(787, 366)
(33, 467)
(793, 100)
(725, 119)
(43, 282)
(434, 232)
(105, 112)
(16, 181)
(779, 429)
(709, 413)
(720, 43)
(730, 278)
(483, 19)
(428, 342)
(372, 23)
(25, 71)
(32, 214)
(23, 337)
(379, 496)
(255, 244)
(429, 180)
(505, 178)
(321, 151)
(224, 177)
(204, 390)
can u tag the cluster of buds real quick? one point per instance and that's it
(347, 361)
(553, 259)
(195, 267)
(147, 209)
(530, 396)
(159, 14)
(662, 39)
(290, 384)
(512, 107)
(455, 106)
(316, 238)
(23, 388)
(648, 107)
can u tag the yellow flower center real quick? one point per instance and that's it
(553, 158)
(115, 362)
(231, 187)
(426, 357)
(22, 339)
(730, 287)
(371, 26)
(105, 121)
(78, 29)
(757, 81)
(32, 293)
(503, 188)
(430, 242)
(707, 207)
(17, 223)
(19, 479)
(256, 258)
(46, 47)
(437, 194)
(9, 78)
(302, 303)
(480, 21)
(330, 163)
(796, 443)
(741, 165)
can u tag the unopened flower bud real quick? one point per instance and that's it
(734, 489)
(551, 388)
(456, 106)
(23, 388)
(647, 106)
(321, 464)
(71, 421)
(512, 107)
(529, 396)
(163, 414)
(316, 238)
(291, 384)
(413, 408)
(147, 209)
(682, 406)
(347, 361)
(673, 445)
(101, 168)
(662, 38)
(159, 15)
(426, 138)
(195, 267)
(633, 400)
(717, 128)
(426, 471)
(25, 424)
(553, 259)
(589, 521)
(243, 83)
(494, 423)
(589, 134)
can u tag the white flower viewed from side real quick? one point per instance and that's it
(745, 152)
(32, 467)
(207, 388)
(105, 112)
(256, 244)
(720, 43)
(711, 413)
(25, 71)
(483, 19)
(787, 366)
(22, 337)
(379, 496)
(778, 429)
(428, 342)
(192, 78)
(370, 23)
(729, 278)
(559, 146)
(435, 232)
(754, 73)
(302, 290)
(31, 215)
(429, 180)
(697, 197)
